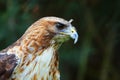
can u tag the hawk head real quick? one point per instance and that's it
(47, 31)
(62, 29)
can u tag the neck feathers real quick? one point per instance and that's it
(32, 42)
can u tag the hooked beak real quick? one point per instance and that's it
(71, 31)
(74, 35)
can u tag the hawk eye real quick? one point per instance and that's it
(60, 26)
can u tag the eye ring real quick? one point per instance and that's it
(60, 26)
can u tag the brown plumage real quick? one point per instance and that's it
(34, 56)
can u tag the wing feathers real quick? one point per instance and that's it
(7, 65)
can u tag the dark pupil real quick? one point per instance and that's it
(60, 26)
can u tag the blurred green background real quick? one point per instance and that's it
(95, 56)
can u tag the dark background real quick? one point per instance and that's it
(96, 56)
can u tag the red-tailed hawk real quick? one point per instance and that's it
(34, 56)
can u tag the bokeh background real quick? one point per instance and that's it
(96, 56)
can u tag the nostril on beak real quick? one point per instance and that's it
(72, 31)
